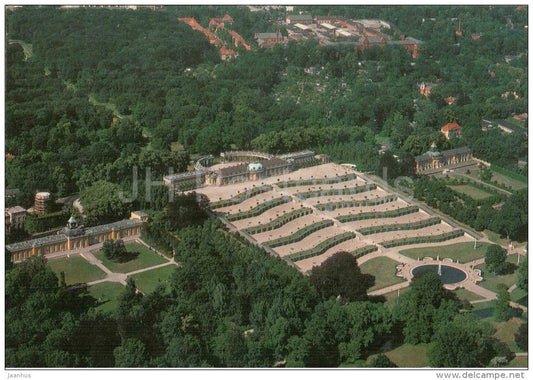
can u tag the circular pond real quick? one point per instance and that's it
(448, 275)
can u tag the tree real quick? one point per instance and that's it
(340, 276)
(382, 361)
(115, 250)
(521, 337)
(104, 202)
(502, 309)
(521, 281)
(424, 306)
(495, 259)
(462, 342)
(132, 353)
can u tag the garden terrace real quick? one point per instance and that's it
(435, 229)
(322, 247)
(367, 202)
(360, 252)
(277, 223)
(378, 215)
(399, 203)
(268, 216)
(241, 197)
(341, 185)
(317, 181)
(330, 192)
(409, 218)
(400, 227)
(346, 246)
(308, 242)
(290, 228)
(249, 203)
(423, 239)
(300, 234)
(259, 209)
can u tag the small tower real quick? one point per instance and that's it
(72, 223)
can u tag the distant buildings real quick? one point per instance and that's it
(269, 39)
(74, 236)
(433, 159)
(41, 205)
(299, 19)
(15, 217)
(451, 130)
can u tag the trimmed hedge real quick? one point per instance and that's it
(258, 210)
(423, 239)
(348, 191)
(278, 222)
(322, 247)
(307, 164)
(323, 181)
(299, 235)
(378, 215)
(359, 252)
(400, 227)
(367, 202)
(241, 197)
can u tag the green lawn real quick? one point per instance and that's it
(491, 280)
(384, 269)
(471, 191)
(408, 355)
(505, 332)
(147, 281)
(106, 293)
(145, 259)
(77, 269)
(496, 177)
(518, 362)
(464, 252)
(466, 295)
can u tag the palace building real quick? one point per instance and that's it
(433, 159)
(74, 236)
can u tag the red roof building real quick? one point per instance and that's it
(451, 130)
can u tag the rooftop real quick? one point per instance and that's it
(15, 210)
(450, 127)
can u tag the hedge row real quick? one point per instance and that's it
(367, 202)
(278, 222)
(322, 247)
(359, 252)
(300, 234)
(510, 174)
(307, 164)
(423, 239)
(378, 215)
(258, 210)
(400, 227)
(318, 181)
(325, 193)
(241, 197)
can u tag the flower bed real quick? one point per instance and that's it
(378, 215)
(322, 247)
(278, 222)
(259, 209)
(400, 227)
(300, 234)
(423, 239)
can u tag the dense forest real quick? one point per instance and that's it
(117, 88)
(93, 93)
(233, 305)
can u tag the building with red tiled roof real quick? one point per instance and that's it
(451, 130)
(226, 53)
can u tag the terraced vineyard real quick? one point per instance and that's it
(241, 197)
(345, 204)
(258, 210)
(279, 222)
(347, 191)
(400, 227)
(378, 215)
(301, 234)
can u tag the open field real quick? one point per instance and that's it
(496, 177)
(466, 295)
(145, 259)
(77, 270)
(106, 294)
(409, 355)
(384, 270)
(464, 252)
(147, 281)
(471, 191)
(505, 332)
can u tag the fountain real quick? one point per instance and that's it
(448, 274)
